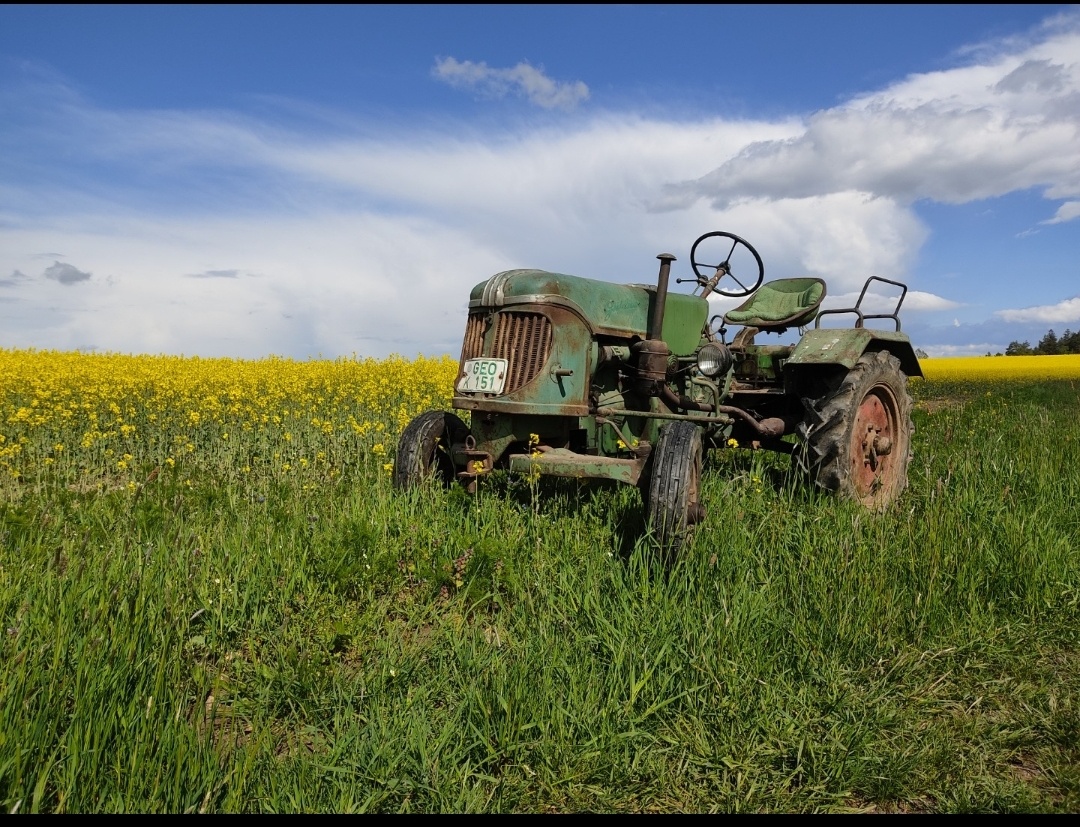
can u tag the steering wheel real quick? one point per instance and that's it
(745, 261)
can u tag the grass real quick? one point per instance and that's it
(217, 642)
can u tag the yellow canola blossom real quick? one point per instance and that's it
(118, 416)
(1008, 368)
(112, 420)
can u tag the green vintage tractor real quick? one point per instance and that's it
(574, 377)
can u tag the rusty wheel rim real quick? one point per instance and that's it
(873, 443)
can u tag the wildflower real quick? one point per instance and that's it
(733, 443)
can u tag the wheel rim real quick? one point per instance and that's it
(873, 444)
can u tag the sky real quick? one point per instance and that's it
(331, 181)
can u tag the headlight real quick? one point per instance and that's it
(714, 359)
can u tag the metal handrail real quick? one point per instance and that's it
(857, 309)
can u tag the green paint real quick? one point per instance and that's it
(620, 310)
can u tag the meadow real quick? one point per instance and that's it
(211, 600)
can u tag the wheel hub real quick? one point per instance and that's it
(872, 439)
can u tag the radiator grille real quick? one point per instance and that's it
(523, 339)
(473, 346)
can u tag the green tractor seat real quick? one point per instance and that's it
(780, 304)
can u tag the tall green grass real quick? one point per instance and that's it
(246, 644)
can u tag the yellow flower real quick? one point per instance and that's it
(733, 443)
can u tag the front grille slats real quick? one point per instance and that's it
(473, 345)
(523, 339)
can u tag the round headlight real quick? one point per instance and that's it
(714, 359)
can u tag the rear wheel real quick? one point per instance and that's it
(856, 439)
(424, 449)
(673, 491)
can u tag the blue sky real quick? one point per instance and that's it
(328, 181)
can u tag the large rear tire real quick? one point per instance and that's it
(424, 450)
(673, 490)
(856, 439)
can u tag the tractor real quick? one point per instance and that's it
(575, 377)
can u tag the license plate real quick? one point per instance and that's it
(483, 376)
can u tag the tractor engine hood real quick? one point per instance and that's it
(616, 310)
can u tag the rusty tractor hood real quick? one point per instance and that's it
(619, 310)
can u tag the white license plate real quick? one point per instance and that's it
(483, 376)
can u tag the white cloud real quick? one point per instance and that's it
(1066, 212)
(956, 135)
(522, 79)
(1063, 312)
(878, 300)
(327, 284)
(922, 301)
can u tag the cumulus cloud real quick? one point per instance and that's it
(1063, 312)
(954, 136)
(1066, 212)
(879, 300)
(920, 300)
(65, 273)
(522, 79)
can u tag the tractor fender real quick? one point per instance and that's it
(844, 346)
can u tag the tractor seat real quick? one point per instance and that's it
(780, 304)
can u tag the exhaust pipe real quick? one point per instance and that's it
(656, 323)
(651, 355)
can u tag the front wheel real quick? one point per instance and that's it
(673, 491)
(856, 439)
(424, 449)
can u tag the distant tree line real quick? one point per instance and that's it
(1049, 345)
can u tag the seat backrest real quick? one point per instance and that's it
(780, 304)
